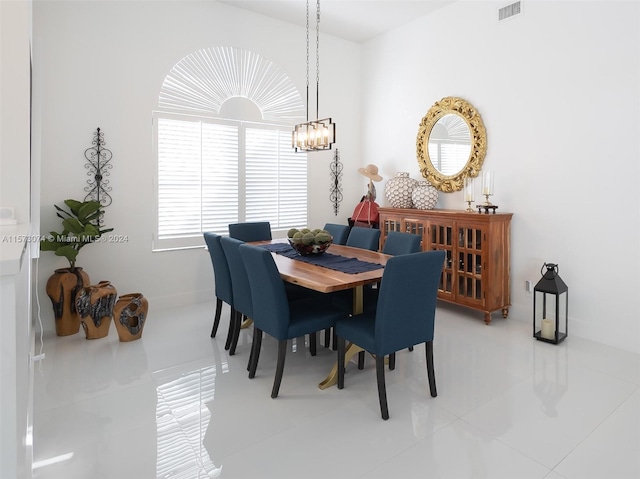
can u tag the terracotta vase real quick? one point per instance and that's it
(95, 306)
(130, 315)
(62, 288)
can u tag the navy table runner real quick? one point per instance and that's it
(326, 260)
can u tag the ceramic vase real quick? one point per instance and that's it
(95, 305)
(398, 190)
(424, 196)
(62, 288)
(130, 315)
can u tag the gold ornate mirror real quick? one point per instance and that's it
(451, 143)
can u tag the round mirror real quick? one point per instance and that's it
(451, 144)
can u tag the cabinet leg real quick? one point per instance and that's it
(505, 312)
(487, 318)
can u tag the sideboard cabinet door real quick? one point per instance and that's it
(477, 246)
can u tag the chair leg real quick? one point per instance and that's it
(236, 333)
(313, 343)
(216, 319)
(250, 354)
(340, 362)
(430, 371)
(255, 351)
(282, 353)
(327, 337)
(392, 361)
(382, 390)
(361, 360)
(232, 323)
(334, 344)
(410, 348)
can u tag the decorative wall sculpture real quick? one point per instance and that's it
(98, 159)
(336, 182)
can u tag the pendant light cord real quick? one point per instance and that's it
(307, 61)
(318, 59)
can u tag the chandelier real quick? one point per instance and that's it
(314, 135)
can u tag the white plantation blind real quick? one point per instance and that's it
(197, 177)
(276, 179)
(213, 172)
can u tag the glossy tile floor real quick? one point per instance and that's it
(175, 405)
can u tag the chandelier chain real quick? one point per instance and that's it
(307, 60)
(318, 59)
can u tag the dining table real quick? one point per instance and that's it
(309, 273)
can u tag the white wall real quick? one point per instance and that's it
(16, 338)
(14, 115)
(101, 64)
(558, 89)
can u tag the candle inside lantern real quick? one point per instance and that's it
(487, 182)
(468, 189)
(548, 330)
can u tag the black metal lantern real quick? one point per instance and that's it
(550, 306)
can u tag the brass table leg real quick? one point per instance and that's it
(332, 379)
(358, 300)
(351, 350)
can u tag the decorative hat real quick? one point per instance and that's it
(370, 171)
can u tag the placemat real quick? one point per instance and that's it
(335, 262)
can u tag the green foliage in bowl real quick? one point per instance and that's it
(306, 241)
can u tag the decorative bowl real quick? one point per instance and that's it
(310, 249)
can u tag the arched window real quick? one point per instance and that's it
(222, 134)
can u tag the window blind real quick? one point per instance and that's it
(213, 172)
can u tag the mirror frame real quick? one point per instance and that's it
(465, 110)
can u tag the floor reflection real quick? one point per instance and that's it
(182, 418)
(551, 378)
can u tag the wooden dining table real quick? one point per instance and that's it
(325, 280)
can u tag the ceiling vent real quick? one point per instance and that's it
(509, 11)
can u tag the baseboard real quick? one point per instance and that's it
(182, 299)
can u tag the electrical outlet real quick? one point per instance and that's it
(528, 286)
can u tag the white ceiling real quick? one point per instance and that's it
(354, 20)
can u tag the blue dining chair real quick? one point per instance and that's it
(404, 316)
(240, 287)
(359, 237)
(340, 233)
(251, 231)
(365, 238)
(275, 315)
(401, 243)
(396, 243)
(222, 279)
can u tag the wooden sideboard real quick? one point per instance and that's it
(477, 247)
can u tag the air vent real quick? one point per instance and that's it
(509, 11)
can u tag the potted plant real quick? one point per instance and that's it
(80, 227)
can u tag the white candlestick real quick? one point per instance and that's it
(548, 330)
